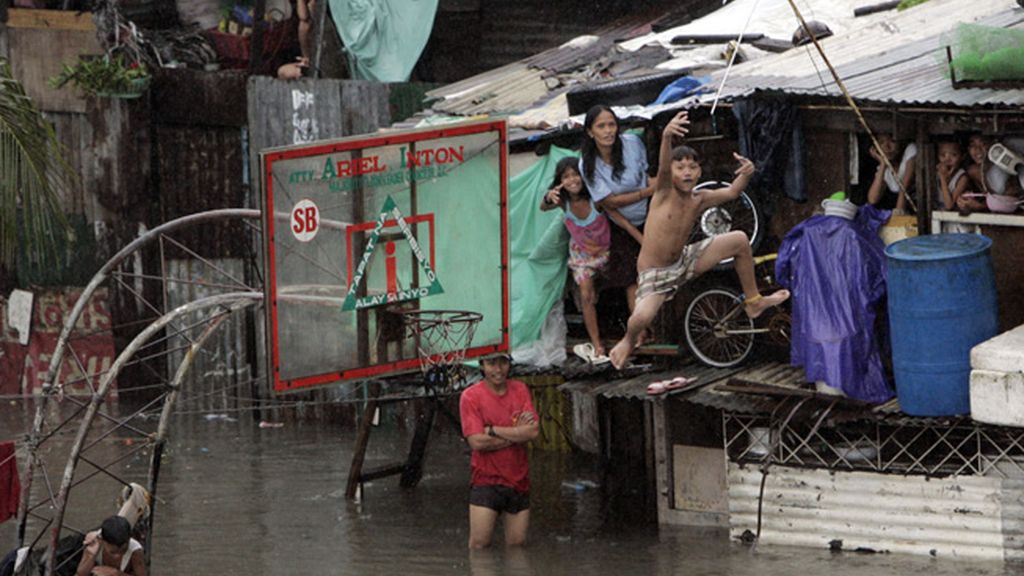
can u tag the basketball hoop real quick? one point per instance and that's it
(441, 337)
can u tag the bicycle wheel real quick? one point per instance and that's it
(717, 330)
(739, 214)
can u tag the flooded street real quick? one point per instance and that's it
(235, 498)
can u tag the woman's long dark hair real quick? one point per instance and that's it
(589, 147)
(568, 163)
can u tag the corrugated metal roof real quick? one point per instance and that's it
(520, 85)
(509, 88)
(895, 63)
(635, 387)
(891, 58)
(773, 18)
(568, 57)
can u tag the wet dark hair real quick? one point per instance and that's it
(589, 148)
(683, 151)
(568, 163)
(116, 530)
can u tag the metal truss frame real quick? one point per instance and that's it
(889, 445)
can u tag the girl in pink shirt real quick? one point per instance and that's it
(591, 238)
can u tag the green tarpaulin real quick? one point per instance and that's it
(383, 38)
(538, 244)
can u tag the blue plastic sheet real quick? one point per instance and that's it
(835, 269)
(681, 88)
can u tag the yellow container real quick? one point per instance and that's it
(898, 228)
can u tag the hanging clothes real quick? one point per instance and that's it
(835, 269)
(383, 38)
(771, 137)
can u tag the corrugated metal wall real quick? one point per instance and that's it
(960, 516)
(222, 373)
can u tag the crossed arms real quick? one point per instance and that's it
(524, 429)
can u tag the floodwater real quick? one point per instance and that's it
(238, 499)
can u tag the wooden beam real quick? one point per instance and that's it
(256, 40)
(355, 472)
(413, 469)
(318, 37)
(381, 472)
(50, 19)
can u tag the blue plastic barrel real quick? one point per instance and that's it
(942, 302)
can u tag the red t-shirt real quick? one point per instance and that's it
(480, 407)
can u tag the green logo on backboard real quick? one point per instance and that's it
(353, 302)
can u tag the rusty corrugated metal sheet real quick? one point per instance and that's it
(200, 168)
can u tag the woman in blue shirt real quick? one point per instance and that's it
(614, 168)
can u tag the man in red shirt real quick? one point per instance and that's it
(498, 420)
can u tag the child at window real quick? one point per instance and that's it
(885, 191)
(977, 165)
(953, 179)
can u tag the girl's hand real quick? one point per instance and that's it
(943, 170)
(553, 196)
(873, 152)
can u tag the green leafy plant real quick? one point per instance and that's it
(33, 175)
(104, 76)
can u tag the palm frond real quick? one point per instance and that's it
(33, 176)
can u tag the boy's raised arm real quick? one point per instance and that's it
(732, 191)
(678, 126)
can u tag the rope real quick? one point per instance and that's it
(849, 100)
(732, 58)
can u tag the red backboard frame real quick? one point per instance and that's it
(269, 157)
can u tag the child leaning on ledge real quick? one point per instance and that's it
(953, 179)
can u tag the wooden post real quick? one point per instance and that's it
(413, 469)
(318, 37)
(923, 178)
(259, 9)
(362, 439)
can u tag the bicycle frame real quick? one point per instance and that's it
(758, 260)
(716, 327)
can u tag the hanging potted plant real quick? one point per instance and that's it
(107, 76)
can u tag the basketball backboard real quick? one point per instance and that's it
(366, 225)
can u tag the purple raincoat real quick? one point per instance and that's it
(835, 269)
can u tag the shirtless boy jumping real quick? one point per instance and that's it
(665, 262)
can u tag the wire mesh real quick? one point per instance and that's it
(441, 337)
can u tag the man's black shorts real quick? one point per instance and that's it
(499, 498)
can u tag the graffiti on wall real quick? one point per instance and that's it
(90, 348)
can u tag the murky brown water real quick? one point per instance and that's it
(237, 499)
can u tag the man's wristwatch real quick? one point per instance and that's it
(490, 431)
